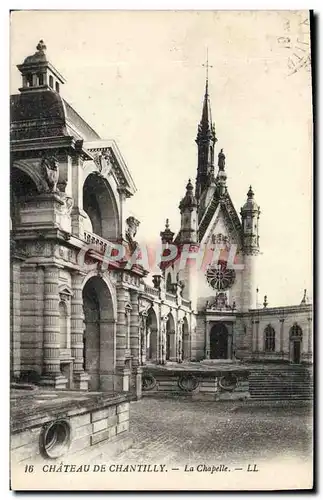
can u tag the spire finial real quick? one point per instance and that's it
(41, 47)
(167, 224)
(207, 66)
(250, 193)
(304, 299)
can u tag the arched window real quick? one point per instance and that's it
(169, 287)
(269, 339)
(296, 331)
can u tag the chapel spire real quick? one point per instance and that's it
(205, 140)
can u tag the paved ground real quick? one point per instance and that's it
(173, 431)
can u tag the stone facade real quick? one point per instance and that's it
(80, 323)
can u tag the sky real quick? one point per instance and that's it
(137, 77)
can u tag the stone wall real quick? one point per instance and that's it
(101, 431)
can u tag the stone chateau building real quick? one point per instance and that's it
(77, 323)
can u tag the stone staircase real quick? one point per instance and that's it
(292, 382)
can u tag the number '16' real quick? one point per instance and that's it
(29, 468)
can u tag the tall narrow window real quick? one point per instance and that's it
(169, 286)
(63, 325)
(40, 79)
(51, 81)
(269, 339)
(57, 87)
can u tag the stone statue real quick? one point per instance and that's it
(102, 160)
(51, 170)
(131, 232)
(221, 160)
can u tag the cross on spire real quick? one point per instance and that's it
(207, 66)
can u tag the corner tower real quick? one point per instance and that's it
(250, 213)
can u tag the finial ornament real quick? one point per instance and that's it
(221, 160)
(265, 301)
(250, 193)
(189, 186)
(41, 47)
(207, 66)
(304, 299)
(167, 224)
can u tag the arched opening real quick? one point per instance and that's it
(169, 286)
(99, 334)
(100, 206)
(296, 337)
(186, 341)
(170, 339)
(219, 341)
(152, 339)
(270, 339)
(21, 188)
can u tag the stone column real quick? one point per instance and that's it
(15, 317)
(281, 344)
(51, 339)
(207, 339)
(162, 340)
(80, 378)
(77, 214)
(230, 342)
(254, 338)
(180, 341)
(135, 345)
(143, 336)
(123, 353)
(309, 333)
(258, 338)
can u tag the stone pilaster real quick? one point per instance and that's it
(121, 326)
(309, 339)
(143, 337)
(258, 337)
(281, 339)
(207, 340)
(80, 378)
(51, 360)
(15, 317)
(179, 347)
(135, 344)
(123, 353)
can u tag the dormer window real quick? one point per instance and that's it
(57, 87)
(51, 81)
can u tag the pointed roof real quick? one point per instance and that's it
(189, 199)
(206, 126)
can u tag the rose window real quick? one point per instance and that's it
(219, 276)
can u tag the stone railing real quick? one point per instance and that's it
(151, 290)
(94, 239)
(171, 297)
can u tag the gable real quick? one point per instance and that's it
(220, 217)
